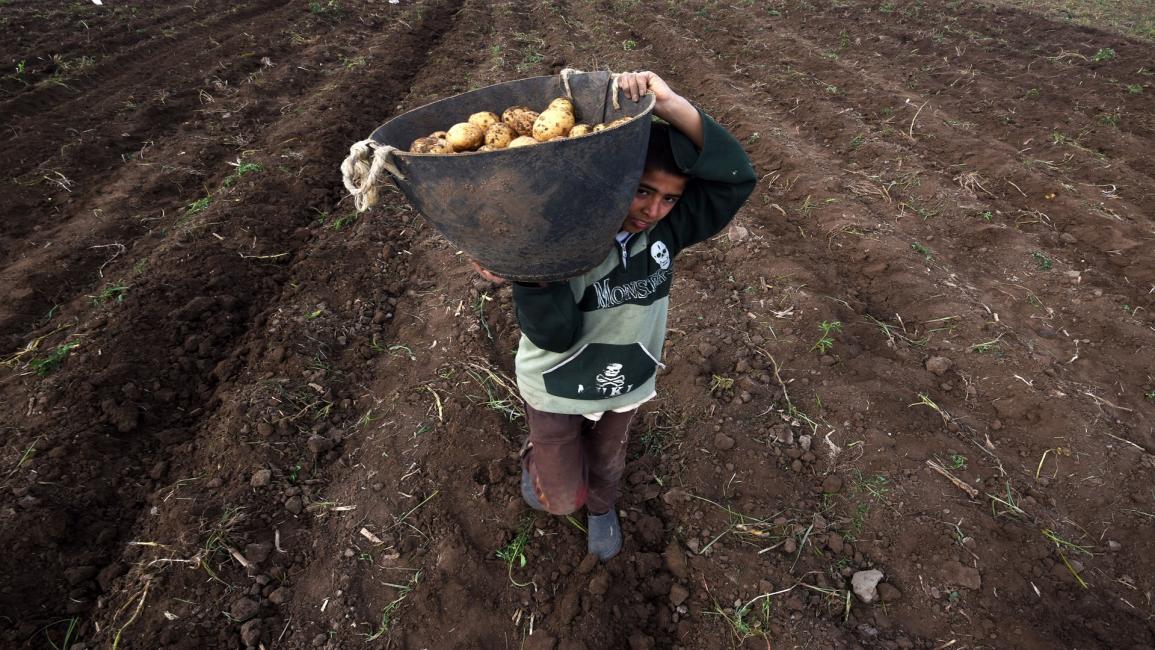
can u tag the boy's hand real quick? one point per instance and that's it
(497, 280)
(668, 105)
(636, 84)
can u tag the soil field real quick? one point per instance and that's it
(236, 413)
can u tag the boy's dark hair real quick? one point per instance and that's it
(659, 153)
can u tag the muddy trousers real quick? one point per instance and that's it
(573, 461)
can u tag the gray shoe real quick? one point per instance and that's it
(605, 535)
(527, 492)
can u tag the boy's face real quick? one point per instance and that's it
(658, 192)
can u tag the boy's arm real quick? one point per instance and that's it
(721, 181)
(706, 152)
(548, 315)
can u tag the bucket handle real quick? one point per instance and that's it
(362, 170)
(569, 72)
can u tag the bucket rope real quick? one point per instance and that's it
(363, 169)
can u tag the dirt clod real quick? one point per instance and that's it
(939, 365)
(723, 442)
(956, 573)
(678, 594)
(243, 609)
(600, 584)
(251, 632)
(865, 585)
(832, 484)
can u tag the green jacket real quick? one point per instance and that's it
(594, 342)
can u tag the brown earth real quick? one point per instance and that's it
(213, 362)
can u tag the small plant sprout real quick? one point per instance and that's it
(112, 293)
(924, 400)
(1044, 262)
(514, 552)
(748, 620)
(1104, 54)
(826, 342)
(388, 613)
(922, 250)
(718, 384)
(1063, 546)
(629, 45)
(987, 216)
(242, 168)
(1150, 395)
(50, 362)
(1033, 93)
(1135, 89)
(199, 205)
(1009, 506)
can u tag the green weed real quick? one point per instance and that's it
(113, 292)
(718, 384)
(242, 168)
(388, 613)
(500, 393)
(987, 216)
(1009, 505)
(331, 9)
(69, 633)
(344, 220)
(1045, 263)
(629, 45)
(826, 342)
(50, 362)
(513, 553)
(922, 250)
(1103, 55)
(198, 206)
(747, 620)
(1033, 93)
(1134, 89)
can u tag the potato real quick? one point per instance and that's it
(486, 147)
(430, 145)
(438, 134)
(465, 136)
(523, 122)
(552, 123)
(522, 141)
(598, 127)
(499, 136)
(484, 120)
(618, 122)
(580, 129)
(562, 103)
(508, 116)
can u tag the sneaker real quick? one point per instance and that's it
(605, 535)
(527, 492)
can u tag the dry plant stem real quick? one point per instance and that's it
(131, 619)
(974, 494)
(916, 114)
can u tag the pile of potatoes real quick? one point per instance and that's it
(518, 126)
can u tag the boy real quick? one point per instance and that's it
(591, 345)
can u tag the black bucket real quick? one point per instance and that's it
(539, 213)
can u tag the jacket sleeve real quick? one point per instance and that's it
(721, 181)
(548, 316)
